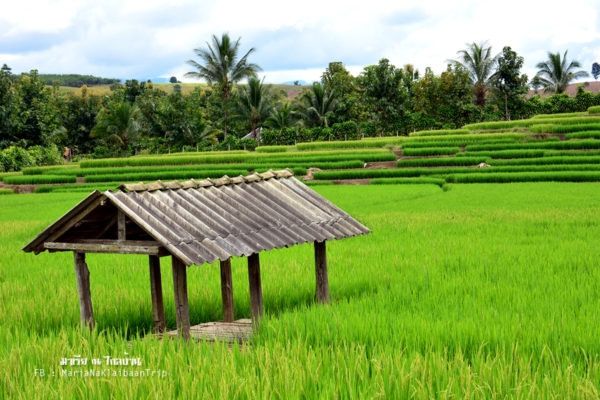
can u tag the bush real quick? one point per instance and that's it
(429, 151)
(35, 179)
(442, 162)
(409, 181)
(594, 110)
(14, 159)
(441, 132)
(101, 152)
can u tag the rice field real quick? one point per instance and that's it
(482, 291)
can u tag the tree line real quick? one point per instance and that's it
(382, 100)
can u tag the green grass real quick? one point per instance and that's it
(165, 176)
(441, 132)
(6, 191)
(594, 110)
(409, 181)
(6, 174)
(529, 122)
(559, 176)
(37, 179)
(554, 116)
(583, 135)
(553, 145)
(417, 172)
(275, 149)
(548, 161)
(485, 291)
(502, 154)
(429, 151)
(442, 162)
(564, 128)
(264, 158)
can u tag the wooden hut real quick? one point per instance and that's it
(196, 222)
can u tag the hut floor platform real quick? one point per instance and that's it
(236, 331)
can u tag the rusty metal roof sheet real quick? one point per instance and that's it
(214, 219)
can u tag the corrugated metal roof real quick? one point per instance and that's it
(209, 220)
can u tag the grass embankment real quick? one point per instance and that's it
(489, 291)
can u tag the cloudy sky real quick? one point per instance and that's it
(293, 40)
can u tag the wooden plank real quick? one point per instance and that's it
(158, 308)
(73, 221)
(110, 242)
(105, 248)
(227, 291)
(181, 298)
(321, 272)
(121, 234)
(82, 274)
(256, 301)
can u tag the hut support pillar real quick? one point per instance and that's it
(181, 298)
(321, 272)
(83, 288)
(158, 308)
(256, 302)
(227, 291)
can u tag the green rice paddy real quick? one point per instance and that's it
(483, 291)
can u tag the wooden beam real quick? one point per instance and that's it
(83, 289)
(227, 291)
(121, 225)
(115, 248)
(77, 218)
(158, 308)
(321, 272)
(181, 298)
(256, 302)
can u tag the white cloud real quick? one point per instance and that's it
(294, 41)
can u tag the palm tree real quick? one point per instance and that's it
(317, 104)
(253, 103)
(554, 74)
(478, 60)
(221, 66)
(282, 117)
(118, 123)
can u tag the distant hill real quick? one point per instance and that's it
(302, 83)
(593, 87)
(75, 80)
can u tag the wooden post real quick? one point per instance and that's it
(256, 303)
(121, 225)
(227, 291)
(83, 288)
(181, 298)
(158, 308)
(321, 272)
